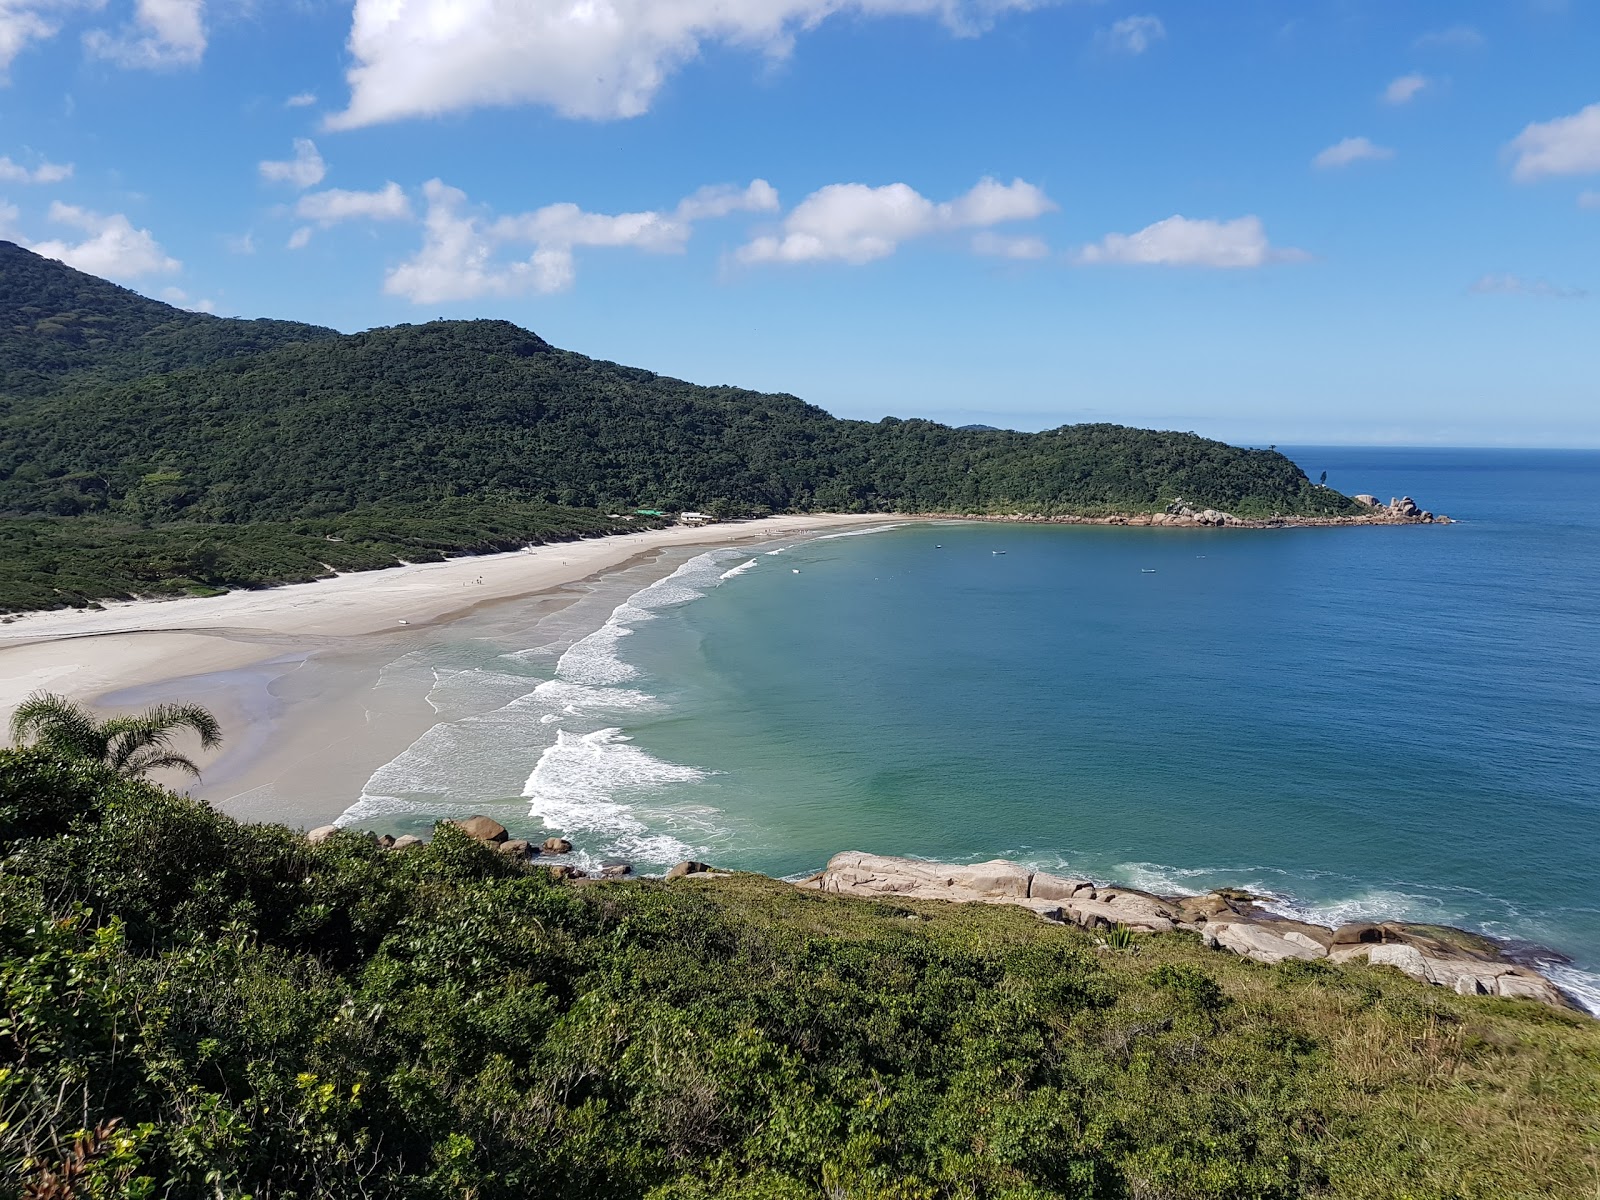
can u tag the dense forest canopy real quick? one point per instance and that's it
(124, 410)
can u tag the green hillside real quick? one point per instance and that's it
(136, 417)
(191, 1007)
(60, 327)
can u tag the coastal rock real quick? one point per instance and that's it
(995, 882)
(407, 840)
(386, 842)
(516, 848)
(1364, 498)
(556, 845)
(563, 871)
(321, 834)
(687, 867)
(1262, 943)
(1225, 920)
(615, 868)
(482, 828)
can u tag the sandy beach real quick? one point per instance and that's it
(299, 674)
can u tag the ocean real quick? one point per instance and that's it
(1378, 722)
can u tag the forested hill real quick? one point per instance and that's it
(416, 412)
(61, 327)
(126, 412)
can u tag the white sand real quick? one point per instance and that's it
(141, 645)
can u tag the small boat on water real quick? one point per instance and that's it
(1147, 570)
(997, 552)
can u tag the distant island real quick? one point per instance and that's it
(152, 451)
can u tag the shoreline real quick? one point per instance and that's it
(296, 672)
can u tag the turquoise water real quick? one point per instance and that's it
(1362, 722)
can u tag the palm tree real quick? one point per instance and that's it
(130, 745)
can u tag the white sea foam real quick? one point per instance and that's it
(1583, 986)
(779, 550)
(740, 569)
(540, 740)
(828, 537)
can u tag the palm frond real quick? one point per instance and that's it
(187, 716)
(156, 760)
(57, 724)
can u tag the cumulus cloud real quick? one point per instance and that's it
(164, 33)
(1405, 89)
(1456, 37)
(721, 200)
(111, 247)
(1515, 285)
(329, 208)
(599, 59)
(301, 100)
(1350, 150)
(1180, 242)
(45, 172)
(1564, 146)
(1135, 35)
(461, 253)
(854, 223)
(998, 245)
(305, 169)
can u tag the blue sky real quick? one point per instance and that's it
(1346, 221)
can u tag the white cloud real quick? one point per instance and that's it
(1456, 37)
(164, 33)
(719, 200)
(24, 21)
(329, 208)
(304, 170)
(47, 172)
(1564, 146)
(599, 59)
(1405, 89)
(1589, 200)
(854, 223)
(1180, 242)
(997, 245)
(334, 205)
(1515, 285)
(113, 247)
(1135, 35)
(1350, 150)
(301, 100)
(460, 254)
(240, 243)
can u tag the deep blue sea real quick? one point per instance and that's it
(1363, 722)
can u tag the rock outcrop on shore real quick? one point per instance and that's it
(1225, 920)
(1182, 515)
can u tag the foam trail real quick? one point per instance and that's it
(740, 569)
(828, 537)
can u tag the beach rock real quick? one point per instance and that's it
(563, 871)
(516, 848)
(615, 868)
(407, 840)
(687, 867)
(1363, 498)
(386, 842)
(1261, 942)
(1467, 963)
(855, 873)
(482, 828)
(1054, 887)
(557, 845)
(321, 834)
